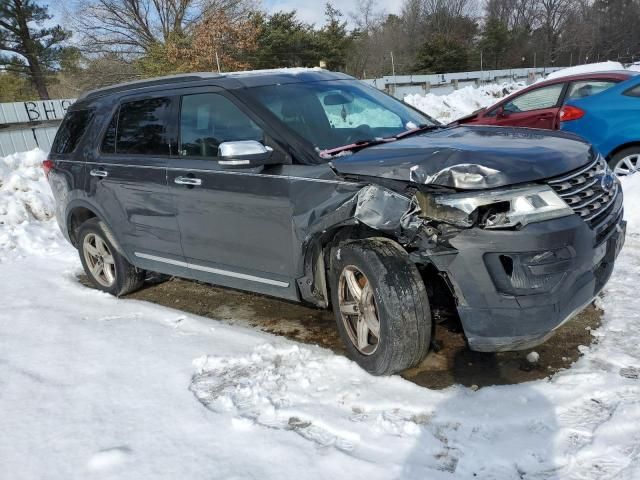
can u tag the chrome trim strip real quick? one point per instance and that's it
(216, 271)
(196, 170)
(578, 173)
(567, 193)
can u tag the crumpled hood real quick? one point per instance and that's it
(471, 157)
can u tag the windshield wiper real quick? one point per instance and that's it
(420, 128)
(358, 144)
(331, 152)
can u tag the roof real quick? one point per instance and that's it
(615, 74)
(229, 80)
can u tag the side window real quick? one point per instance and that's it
(70, 132)
(345, 111)
(207, 120)
(633, 92)
(141, 128)
(545, 97)
(586, 88)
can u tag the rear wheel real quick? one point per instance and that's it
(380, 304)
(107, 269)
(626, 162)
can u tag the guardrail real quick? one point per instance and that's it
(444, 83)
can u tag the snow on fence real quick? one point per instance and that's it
(444, 83)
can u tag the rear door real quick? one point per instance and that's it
(127, 179)
(586, 88)
(235, 223)
(537, 108)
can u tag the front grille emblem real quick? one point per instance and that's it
(607, 181)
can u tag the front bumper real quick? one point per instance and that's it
(498, 316)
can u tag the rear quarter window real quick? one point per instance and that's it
(633, 92)
(139, 127)
(73, 126)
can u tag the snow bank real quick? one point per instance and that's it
(24, 192)
(462, 102)
(587, 68)
(631, 189)
(26, 203)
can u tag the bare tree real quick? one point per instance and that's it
(137, 26)
(515, 14)
(553, 16)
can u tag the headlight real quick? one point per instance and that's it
(496, 209)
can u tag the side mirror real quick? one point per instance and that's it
(243, 154)
(501, 112)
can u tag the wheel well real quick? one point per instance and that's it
(77, 217)
(619, 148)
(441, 296)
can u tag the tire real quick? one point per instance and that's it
(392, 289)
(106, 268)
(626, 162)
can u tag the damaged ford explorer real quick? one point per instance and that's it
(314, 187)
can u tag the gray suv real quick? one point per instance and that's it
(314, 187)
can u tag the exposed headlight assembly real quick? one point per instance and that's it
(495, 209)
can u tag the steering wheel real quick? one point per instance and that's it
(361, 132)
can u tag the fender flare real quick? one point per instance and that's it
(97, 211)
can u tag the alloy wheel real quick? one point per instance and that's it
(99, 260)
(358, 310)
(628, 165)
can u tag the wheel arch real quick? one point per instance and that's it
(79, 212)
(314, 286)
(624, 146)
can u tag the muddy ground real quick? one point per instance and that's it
(452, 363)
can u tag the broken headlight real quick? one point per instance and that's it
(495, 209)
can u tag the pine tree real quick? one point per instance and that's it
(33, 51)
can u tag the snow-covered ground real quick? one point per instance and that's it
(96, 387)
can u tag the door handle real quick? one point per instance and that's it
(187, 181)
(98, 173)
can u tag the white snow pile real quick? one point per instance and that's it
(462, 102)
(586, 68)
(97, 387)
(24, 192)
(25, 201)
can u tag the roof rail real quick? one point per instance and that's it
(149, 82)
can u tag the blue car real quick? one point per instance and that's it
(610, 121)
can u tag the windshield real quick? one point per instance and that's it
(336, 113)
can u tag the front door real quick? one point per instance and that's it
(538, 108)
(235, 224)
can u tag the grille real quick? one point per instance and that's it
(584, 193)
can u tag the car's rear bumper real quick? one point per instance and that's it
(550, 288)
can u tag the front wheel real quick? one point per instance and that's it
(626, 162)
(380, 304)
(107, 269)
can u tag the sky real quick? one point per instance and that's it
(312, 11)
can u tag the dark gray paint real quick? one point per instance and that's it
(471, 157)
